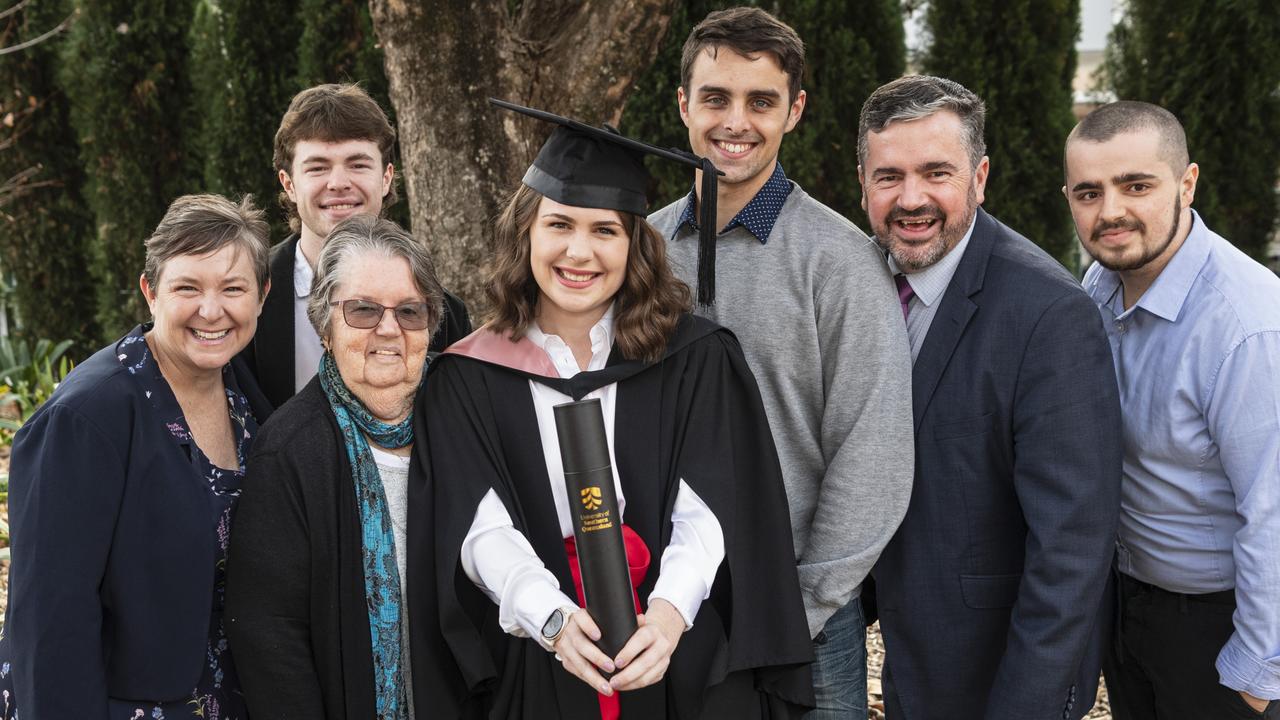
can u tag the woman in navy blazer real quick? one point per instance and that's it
(123, 487)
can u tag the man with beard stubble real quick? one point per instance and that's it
(992, 591)
(1194, 325)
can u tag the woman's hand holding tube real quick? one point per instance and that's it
(576, 648)
(644, 659)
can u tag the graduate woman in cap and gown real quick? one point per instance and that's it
(585, 306)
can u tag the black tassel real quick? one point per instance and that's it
(707, 231)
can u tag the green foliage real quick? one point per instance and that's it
(242, 77)
(1019, 57)
(1215, 64)
(850, 49)
(652, 114)
(125, 76)
(28, 376)
(45, 230)
(337, 44)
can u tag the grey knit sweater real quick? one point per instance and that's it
(819, 322)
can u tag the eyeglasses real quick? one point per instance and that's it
(365, 314)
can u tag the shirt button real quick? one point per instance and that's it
(1120, 327)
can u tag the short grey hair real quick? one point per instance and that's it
(913, 97)
(204, 224)
(364, 234)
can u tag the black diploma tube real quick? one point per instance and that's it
(597, 522)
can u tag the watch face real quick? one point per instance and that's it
(554, 624)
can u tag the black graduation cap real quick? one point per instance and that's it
(587, 166)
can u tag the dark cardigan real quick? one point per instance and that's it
(296, 614)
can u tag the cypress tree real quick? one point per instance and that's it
(1228, 101)
(651, 114)
(337, 44)
(45, 229)
(124, 73)
(242, 74)
(1019, 57)
(850, 49)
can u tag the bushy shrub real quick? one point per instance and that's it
(28, 376)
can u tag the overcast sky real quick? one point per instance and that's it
(1095, 23)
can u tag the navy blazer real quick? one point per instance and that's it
(991, 592)
(111, 584)
(269, 356)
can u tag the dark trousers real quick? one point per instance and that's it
(1161, 666)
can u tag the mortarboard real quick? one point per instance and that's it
(587, 166)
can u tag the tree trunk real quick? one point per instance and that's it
(462, 157)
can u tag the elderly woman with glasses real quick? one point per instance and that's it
(315, 596)
(123, 488)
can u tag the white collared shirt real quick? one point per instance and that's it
(307, 349)
(501, 562)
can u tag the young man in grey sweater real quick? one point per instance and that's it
(811, 300)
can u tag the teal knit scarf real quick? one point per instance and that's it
(381, 578)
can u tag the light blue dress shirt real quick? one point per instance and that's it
(1198, 364)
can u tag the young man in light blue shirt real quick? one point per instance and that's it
(1194, 326)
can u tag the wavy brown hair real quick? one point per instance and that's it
(646, 308)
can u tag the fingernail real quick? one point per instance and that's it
(608, 667)
(606, 689)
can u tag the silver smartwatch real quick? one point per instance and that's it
(554, 627)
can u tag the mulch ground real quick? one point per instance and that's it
(875, 696)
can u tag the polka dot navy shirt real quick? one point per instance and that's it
(759, 215)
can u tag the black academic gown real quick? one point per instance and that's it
(697, 415)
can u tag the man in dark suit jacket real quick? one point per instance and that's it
(332, 156)
(992, 594)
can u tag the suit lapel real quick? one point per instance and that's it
(273, 343)
(957, 309)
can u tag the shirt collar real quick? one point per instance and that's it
(558, 350)
(930, 283)
(1168, 293)
(758, 216)
(303, 275)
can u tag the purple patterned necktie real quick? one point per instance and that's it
(905, 293)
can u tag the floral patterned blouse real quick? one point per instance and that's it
(216, 695)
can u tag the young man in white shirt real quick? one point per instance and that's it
(332, 156)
